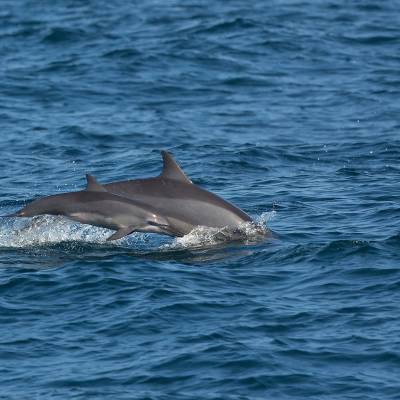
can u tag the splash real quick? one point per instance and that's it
(201, 236)
(46, 229)
(265, 217)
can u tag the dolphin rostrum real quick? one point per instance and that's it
(184, 204)
(96, 206)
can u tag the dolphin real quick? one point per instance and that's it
(96, 206)
(183, 203)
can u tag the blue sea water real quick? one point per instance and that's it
(289, 109)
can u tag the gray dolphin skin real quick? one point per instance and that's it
(96, 206)
(175, 197)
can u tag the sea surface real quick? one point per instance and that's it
(288, 109)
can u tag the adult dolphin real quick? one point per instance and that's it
(174, 195)
(96, 206)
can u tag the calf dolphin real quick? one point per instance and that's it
(174, 195)
(96, 206)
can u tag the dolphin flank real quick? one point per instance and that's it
(96, 206)
(175, 197)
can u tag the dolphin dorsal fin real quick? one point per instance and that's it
(93, 185)
(171, 170)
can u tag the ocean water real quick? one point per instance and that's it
(289, 109)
